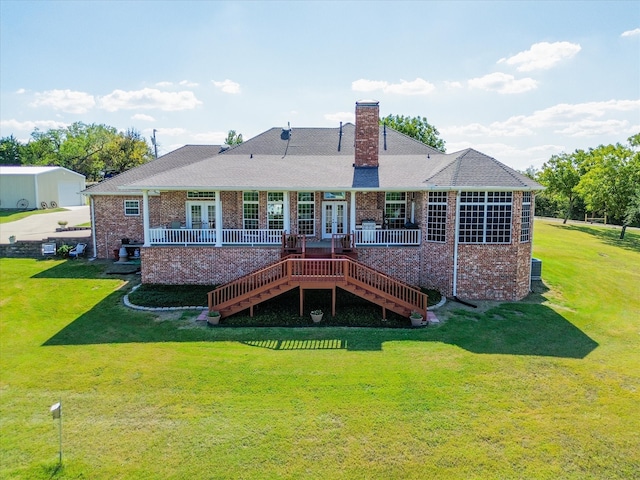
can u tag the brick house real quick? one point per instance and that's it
(458, 222)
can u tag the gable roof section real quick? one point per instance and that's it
(317, 159)
(473, 169)
(171, 161)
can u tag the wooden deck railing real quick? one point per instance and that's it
(299, 271)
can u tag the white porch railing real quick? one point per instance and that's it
(203, 236)
(250, 237)
(198, 236)
(387, 237)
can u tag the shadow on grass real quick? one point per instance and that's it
(510, 329)
(609, 236)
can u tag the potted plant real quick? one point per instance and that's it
(63, 224)
(63, 250)
(416, 319)
(214, 317)
(316, 315)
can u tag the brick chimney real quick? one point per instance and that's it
(367, 133)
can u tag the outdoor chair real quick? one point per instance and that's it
(78, 250)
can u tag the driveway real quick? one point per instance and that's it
(43, 225)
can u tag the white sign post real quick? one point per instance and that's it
(56, 412)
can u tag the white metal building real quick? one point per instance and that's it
(33, 187)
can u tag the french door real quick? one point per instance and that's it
(334, 218)
(201, 215)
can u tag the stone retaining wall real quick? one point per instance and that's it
(33, 248)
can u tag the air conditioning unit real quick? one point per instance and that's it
(536, 269)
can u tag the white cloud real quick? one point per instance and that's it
(418, 86)
(363, 85)
(631, 33)
(340, 117)
(68, 101)
(517, 158)
(542, 56)
(187, 83)
(503, 83)
(227, 86)
(169, 132)
(575, 120)
(164, 84)
(452, 85)
(143, 117)
(589, 127)
(20, 91)
(149, 98)
(29, 126)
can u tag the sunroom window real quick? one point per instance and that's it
(485, 217)
(437, 217)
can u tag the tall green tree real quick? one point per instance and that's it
(611, 181)
(561, 175)
(233, 138)
(89, 149)
(415, 127)
(10, 151)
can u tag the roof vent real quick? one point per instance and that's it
(223, 148)
(286, 132)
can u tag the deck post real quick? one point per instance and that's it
(333, 301)
(301, 300)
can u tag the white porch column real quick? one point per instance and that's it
(218, 219)
(287, 213)
(352, 220)
(145, 217)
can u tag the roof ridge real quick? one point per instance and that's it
(504, 167)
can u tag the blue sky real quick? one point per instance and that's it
(519, 81)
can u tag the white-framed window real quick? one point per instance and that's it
(275, 210)
(250, 210)
(132, 208)
(395, 209)
(203, 195)
(525, 218)
(485, 217)
(306, 213)
(335, 195)
(437, 217)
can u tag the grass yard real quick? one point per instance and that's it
(7, 216)
(546, 389)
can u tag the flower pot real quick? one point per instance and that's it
(417, 321)
(213, 320)
(316, 317)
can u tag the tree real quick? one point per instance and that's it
(415, 127)
(233, 138)
(611, 181)
(561, 176)
(87, 149)
(10, 151)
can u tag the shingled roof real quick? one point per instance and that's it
(317, 159)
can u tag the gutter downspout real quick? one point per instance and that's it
(93, 230)
(455, 246)
(145, 218)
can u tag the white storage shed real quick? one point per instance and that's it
(33, 187)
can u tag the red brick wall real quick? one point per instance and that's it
(367, 134)
(203, 265)
(499, 272)
(112, 225)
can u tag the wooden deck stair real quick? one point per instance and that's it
(308, 273)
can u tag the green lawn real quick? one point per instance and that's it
(7, 216)
(544, 389)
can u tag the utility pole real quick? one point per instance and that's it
(155, 144)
